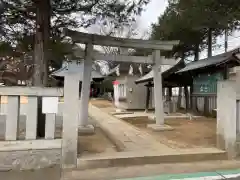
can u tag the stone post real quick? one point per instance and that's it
(158, 99)
(227, 117)
(70, 121)
(84, 127)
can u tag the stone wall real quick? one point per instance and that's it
(29, 159)
(227, 117)
(23, 159)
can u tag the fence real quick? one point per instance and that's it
(19, 146)
(203, 104)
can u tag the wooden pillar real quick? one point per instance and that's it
(206, 105)
(186, 93)
(191, 98)
(169, 94)
(147, 97)
(169, 100)
(179, 100)
(70, 121)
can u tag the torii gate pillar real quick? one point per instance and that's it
(84, 126)
(158, 94)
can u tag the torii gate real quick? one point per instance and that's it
(90, 40)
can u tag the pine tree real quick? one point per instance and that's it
(196, 23)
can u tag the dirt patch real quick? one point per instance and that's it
(97, 143)
(186, 133)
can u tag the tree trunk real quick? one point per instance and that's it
(196, 52)
(210, 42)
(41, 55)
(209, 55)
(47, 24)
(42, 37)
(226, 40)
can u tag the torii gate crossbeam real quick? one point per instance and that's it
(85, 38)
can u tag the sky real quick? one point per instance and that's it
(153, 10)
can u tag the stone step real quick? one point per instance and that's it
(119, 159)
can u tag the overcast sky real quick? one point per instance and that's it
(153, 10)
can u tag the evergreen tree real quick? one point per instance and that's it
(196, 23)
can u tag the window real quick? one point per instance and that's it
(122, 91)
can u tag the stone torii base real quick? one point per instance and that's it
(156, 127)
(86, 130)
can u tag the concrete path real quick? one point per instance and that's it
(126, 136)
